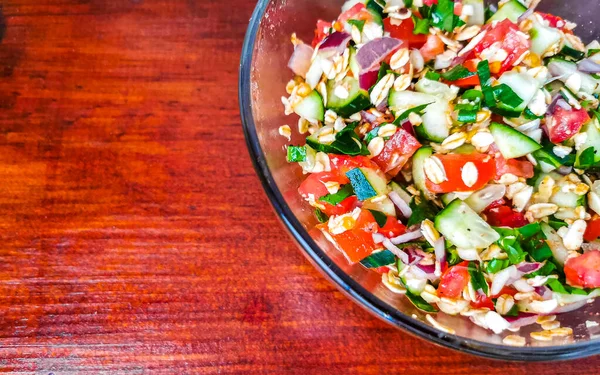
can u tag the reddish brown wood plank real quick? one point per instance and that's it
(127, 244)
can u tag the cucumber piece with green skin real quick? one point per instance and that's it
(413, 284)
(511, 10)
(418, 172)
(436, 88)
(524, 85)
(385, 206)
(367, 183)
(478, 16)
(564, 69)
(400, 191)
(379, 259)
(591, 128)
(511, 142)
(435, 125)
(465, 149)
(311, 107)
(543, 38)
(464, 228)
(352, 63)
(356, 101)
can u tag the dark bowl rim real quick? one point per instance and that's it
(345, 283)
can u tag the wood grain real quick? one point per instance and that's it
(135, 235)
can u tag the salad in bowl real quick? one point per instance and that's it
(454, 148)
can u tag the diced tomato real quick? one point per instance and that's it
(321, 32)
(584, 270)
(498, 203)
(453, 164)
(430, 2)
(433, 47)
(513, 166)
(342, 163)
(566, 123)
(315, 185)
(351, 13)
(504, 216)
(592, 232)
(471, 65)
(482, 301)
(384, 269)
(506, 290)
(511, 40)
(453, 281)
(396, 152)
(555, 21)
(356, 243)
(457, 8)
(392, 228)
(404, 31)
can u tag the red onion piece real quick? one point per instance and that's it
(528, 12)
(368, 117)
(424, 271)
(406, 237)
(439, 247)
(375, 51)
(552, 104)
(334, 44)
(526, 268)
(401, 204)
(544, 292)
(406, 125)
(397, 252)
(521, 320)
(563, 104)
(505, 277)
(588, 66)
(564, 170)
(301, 59)
(413, 256)
(367, 79)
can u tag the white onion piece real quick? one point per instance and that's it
(590, 246)
(407, 237)
(588, 66)
(563, 104)
(401, 204)
(503, 278)
(569, 307)
(522, 286)
(397, 252)
(300, 60)
(378, 237)
(439, 247)
(416, 59)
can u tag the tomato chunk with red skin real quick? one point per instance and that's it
(482, 301)
(453, 281)
(504, 216)
(506, 290)
(314, 185)
(356, 243)
(592, 232)
(519, 168)
(321, 32)
(351, 13)
(396, 152)
(342, 163)
(584, 270)
(566, 123)
(392, 228)
(404, 31)
(471, 65)
(513, 42)
(433, 47)
(555, 21)
(453, 164)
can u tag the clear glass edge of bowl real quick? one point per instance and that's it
(343, 282)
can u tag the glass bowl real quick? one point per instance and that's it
(263, 75)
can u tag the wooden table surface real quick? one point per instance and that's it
(135, 235)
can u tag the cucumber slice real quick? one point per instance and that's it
(478, 16)
(356, 101)
(543, 38)
(511, 142)
(524, 85)
(376, 180)
(435, 126)
(464, 228)
(511, 10)
(480, 199)
(417, 168)
(465, 149)
(448, 198)
(567, 199)
(439, 89)
(564, 69)
(593, 140)
(413, 284)
(401, 192)
(379, 259)
(311, 107)
(385, 206)
(352, 63)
